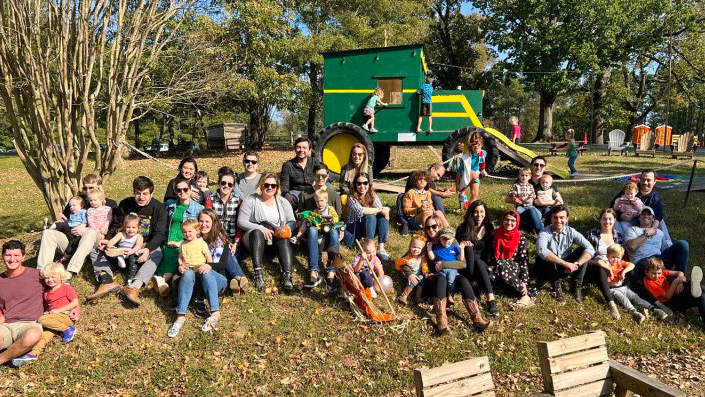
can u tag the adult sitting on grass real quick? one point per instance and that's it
(651, 197)
(332, 239)
(267, 216)
(358, 162)
(538, 168)
(367, 217)
(187, 171)
(477, 233)
(177, 212)
(510, 259)
(417, 203)
(297, 174)
(249, 180)
(153, 228)
(435, 172)
(644, 242)
(226, 202)
(598, 268)
(224, 261)
(21, 305)
(89, 238)
(556, 258)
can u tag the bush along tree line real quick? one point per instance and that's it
(85, 77)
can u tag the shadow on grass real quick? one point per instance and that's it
(17, 224)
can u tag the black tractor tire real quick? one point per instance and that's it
(461, 134)
(382, 153)
(334, 129)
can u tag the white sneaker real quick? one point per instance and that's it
(574, 174)
(373, 293)
(121, 262)
(162, 285)
(696, 277)
(365, 127)
(373, 130)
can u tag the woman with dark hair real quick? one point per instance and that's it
(438, 284)
(266, 219)
(358, 162)
(187, 171)
(510, 259)
(226, 202)
(478, 234)
(366, 215)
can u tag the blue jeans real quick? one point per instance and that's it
(534, 215)
(368, 226)
(438, 203)
(212, 282)
(331, 241)
(675, 257)
(571, 164)
(232, 266)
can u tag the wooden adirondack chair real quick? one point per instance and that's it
(684, 147)
(616, 142)
(465, 378)
(647, 146)
(579, 367)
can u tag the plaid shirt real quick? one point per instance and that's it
(227, 213)
(523, 191)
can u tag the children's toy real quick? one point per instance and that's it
(313, 219)
(358, 296)
(385, 284)
(114, 252)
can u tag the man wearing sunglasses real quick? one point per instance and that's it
(153, 227)
(248, 180)
(538, 168)
(54, 239)
(297, 174)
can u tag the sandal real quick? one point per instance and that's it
(175, 329)
(210, 324)
(523, 304)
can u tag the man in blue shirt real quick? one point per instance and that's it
(556, 258)
(426, 93)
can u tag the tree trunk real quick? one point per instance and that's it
(136, 123)
(599, 93)
(546, 104)
(259, 124)
(314, 101)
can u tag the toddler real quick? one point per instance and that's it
(672, 289)
(616, 270)
(448, 256)
(59, 300)
(129, 239)
(193, 251)
(414, 266)
(202, 182)
(369, 111)
(99, 215)
(572, 152)
(523, 191)
(362, 269)
(546, 196)
(471, 167)
(628, 205)
(516, 129)
(78, 216)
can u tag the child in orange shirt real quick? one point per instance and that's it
(672, 289)
(414, 266)
(616, 270)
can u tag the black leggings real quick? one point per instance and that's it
(476, 270)
(685, 300)
(597, 275)
(258, 244)
(461, 283)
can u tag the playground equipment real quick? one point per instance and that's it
(352, 76)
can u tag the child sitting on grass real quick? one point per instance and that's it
(362, 269)
(78, 216)
(523, 191)
(414, 266)
(672, 289)
(130, 240)
(99, 215)
(616, 270)
(59, 300)
(417, 202)
(448, 257)
(193, 251)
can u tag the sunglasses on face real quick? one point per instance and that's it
(363, 183)
(270, 185)
(182, 190)
(226, 184)
(432, 227)
(321, 176)
(250, 161)
(538, 165)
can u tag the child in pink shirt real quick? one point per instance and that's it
(99, 215)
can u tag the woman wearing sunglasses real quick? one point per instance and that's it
(266, 220)
(357, 163)
(177, 211)
(187, 171)
(366, 215)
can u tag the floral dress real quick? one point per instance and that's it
(512, 272)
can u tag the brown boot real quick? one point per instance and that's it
(418, 295)
(439, 307)
(404, 296)
(132, 295)
(476, 314)
(103, 289)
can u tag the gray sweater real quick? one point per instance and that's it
(251, 215)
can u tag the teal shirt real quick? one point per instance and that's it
(572, 148)
(372, 102)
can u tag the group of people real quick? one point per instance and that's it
(193, 244)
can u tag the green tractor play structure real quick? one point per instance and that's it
(352, 76)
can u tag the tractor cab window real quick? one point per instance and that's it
(392, 90)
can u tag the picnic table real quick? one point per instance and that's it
(555, 146)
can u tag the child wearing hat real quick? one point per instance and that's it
(448, 256)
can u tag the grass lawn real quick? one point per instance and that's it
(307, 344)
